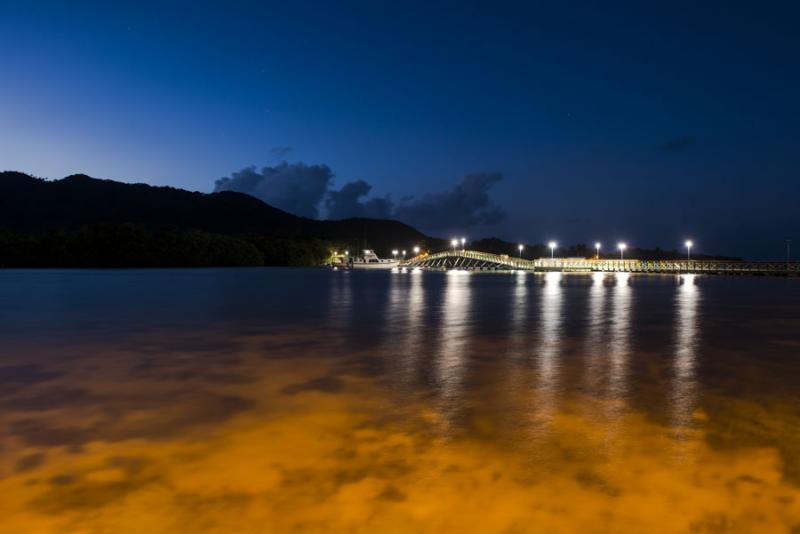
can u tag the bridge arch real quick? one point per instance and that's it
(470, 260)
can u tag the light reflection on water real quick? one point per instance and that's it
(285, 400)
(687, 331)
(340, 304)
(453, 340)
(596, 323)
(519, 317)
(548, 353)
(414, 325)
(619, 348)
(618, 356)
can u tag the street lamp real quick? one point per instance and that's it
(463, 242)
(394, 254)
(520, 247)
(404, 254)
(454, 242)
(689, 246)
(622, 247)
(552, 245)
(597, 248)
(416, 251)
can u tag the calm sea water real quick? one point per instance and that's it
(280, 400)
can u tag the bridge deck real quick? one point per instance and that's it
(474, 260)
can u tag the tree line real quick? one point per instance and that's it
(135, 245)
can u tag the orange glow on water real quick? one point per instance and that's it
(536, 430)
(295, 447)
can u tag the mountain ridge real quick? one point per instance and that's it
(84, 221)
(30, 203)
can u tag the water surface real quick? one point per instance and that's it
(279, 400)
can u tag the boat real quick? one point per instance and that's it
(369, 260)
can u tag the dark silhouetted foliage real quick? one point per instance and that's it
(48, 220)
(292, 252)
(125, 245)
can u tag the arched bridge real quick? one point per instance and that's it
(470, 260)
(484, 261)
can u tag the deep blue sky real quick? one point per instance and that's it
(644, 121)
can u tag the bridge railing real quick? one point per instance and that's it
(676, 266)
(458, 256)
(473, 259)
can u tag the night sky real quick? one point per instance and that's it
(643, 121)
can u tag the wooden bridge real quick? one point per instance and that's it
(482, 261)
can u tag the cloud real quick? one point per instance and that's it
(294, 187)
(679, 143)
(301, 189)
(467, 204)
(347, 202)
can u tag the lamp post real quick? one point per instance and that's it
(597, 248)
(463, 243)
(454, 242)
(552, 245)
(622, 247)
(689, 246)
(404, 254)
(520, 247)
(416, 251)
(394, 254)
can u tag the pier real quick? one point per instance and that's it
(483, 261)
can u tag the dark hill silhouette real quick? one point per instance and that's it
(28, 203)
(84, 221)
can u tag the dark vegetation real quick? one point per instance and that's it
(85, 222)
(125, 245)
(81, 222)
